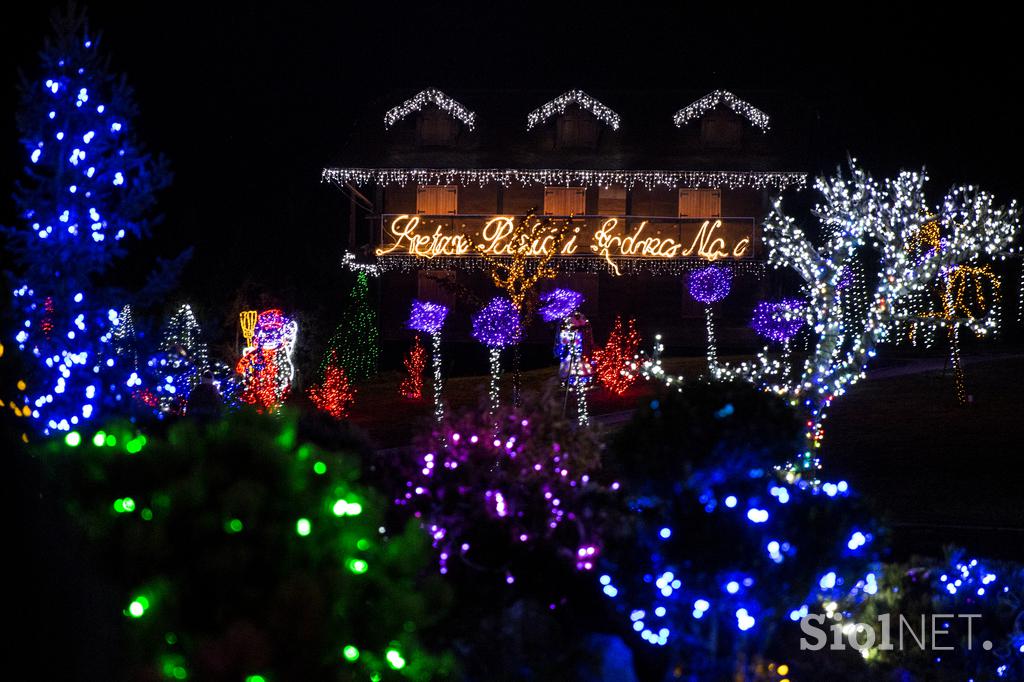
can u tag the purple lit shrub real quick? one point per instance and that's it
(559, 304)
(509, 506)
(780, 320)
(497, 324)
(711, 284)
(427, 317)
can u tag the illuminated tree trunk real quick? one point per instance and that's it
(494, 390)
(435, 358)
(712, 349)
(957, 362)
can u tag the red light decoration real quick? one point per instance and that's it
(415, 363)
(334, 395)
(613, 361)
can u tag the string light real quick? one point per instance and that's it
(422, 99)
(356, 342)
(335, 395)
(558, 304)
(566, 177)
(415, 361)
(247, 320)
(521, 270)
(619, 355)
(708, 102)
(559, 104)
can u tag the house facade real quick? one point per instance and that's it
(642, 192)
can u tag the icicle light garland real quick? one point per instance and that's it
(567, 177)
(591, 264)
(559, 104)
(708, 102)
(430, 96)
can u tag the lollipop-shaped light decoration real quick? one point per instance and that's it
(496, 326)
(779, 321)
(559, 304)
(428, 318)
(710, 285)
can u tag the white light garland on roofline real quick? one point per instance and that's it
(430, 96)
(559, 104)
(552, 177)
(711, 100)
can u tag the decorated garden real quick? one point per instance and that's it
(289, 497)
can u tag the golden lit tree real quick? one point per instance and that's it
(524, 256)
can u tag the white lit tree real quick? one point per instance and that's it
(863, 217)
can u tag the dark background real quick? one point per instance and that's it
(250, 102)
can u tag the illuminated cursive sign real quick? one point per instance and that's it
(610, 238)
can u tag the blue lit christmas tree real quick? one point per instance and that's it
(87, 188)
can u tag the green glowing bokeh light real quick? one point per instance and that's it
(358, 566)
(350, 653)
(394, 658)
(320, 468)
(73, 439)
(303, 527)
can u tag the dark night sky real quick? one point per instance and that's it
(249, 102)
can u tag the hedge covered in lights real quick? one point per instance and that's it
(239, 552)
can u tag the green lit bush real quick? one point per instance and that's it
(241, 553)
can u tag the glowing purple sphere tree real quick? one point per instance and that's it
(779, 321)
(428, 318)
(497, 325)
(710, 285)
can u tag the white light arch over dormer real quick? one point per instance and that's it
(711, 100)
(559, 104)
(430, 96)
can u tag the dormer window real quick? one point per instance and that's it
(435, 128)
(576, 129)
(721, 129)
(438, 118)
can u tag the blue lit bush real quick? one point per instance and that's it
(724, 555)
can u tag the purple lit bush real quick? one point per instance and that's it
(711, 284)
(427, 317)
(559, 304)
(497, 324)
(502, 504)
(780, 320)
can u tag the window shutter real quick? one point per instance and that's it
(564, 201)
(700, 203)
(437, 200)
